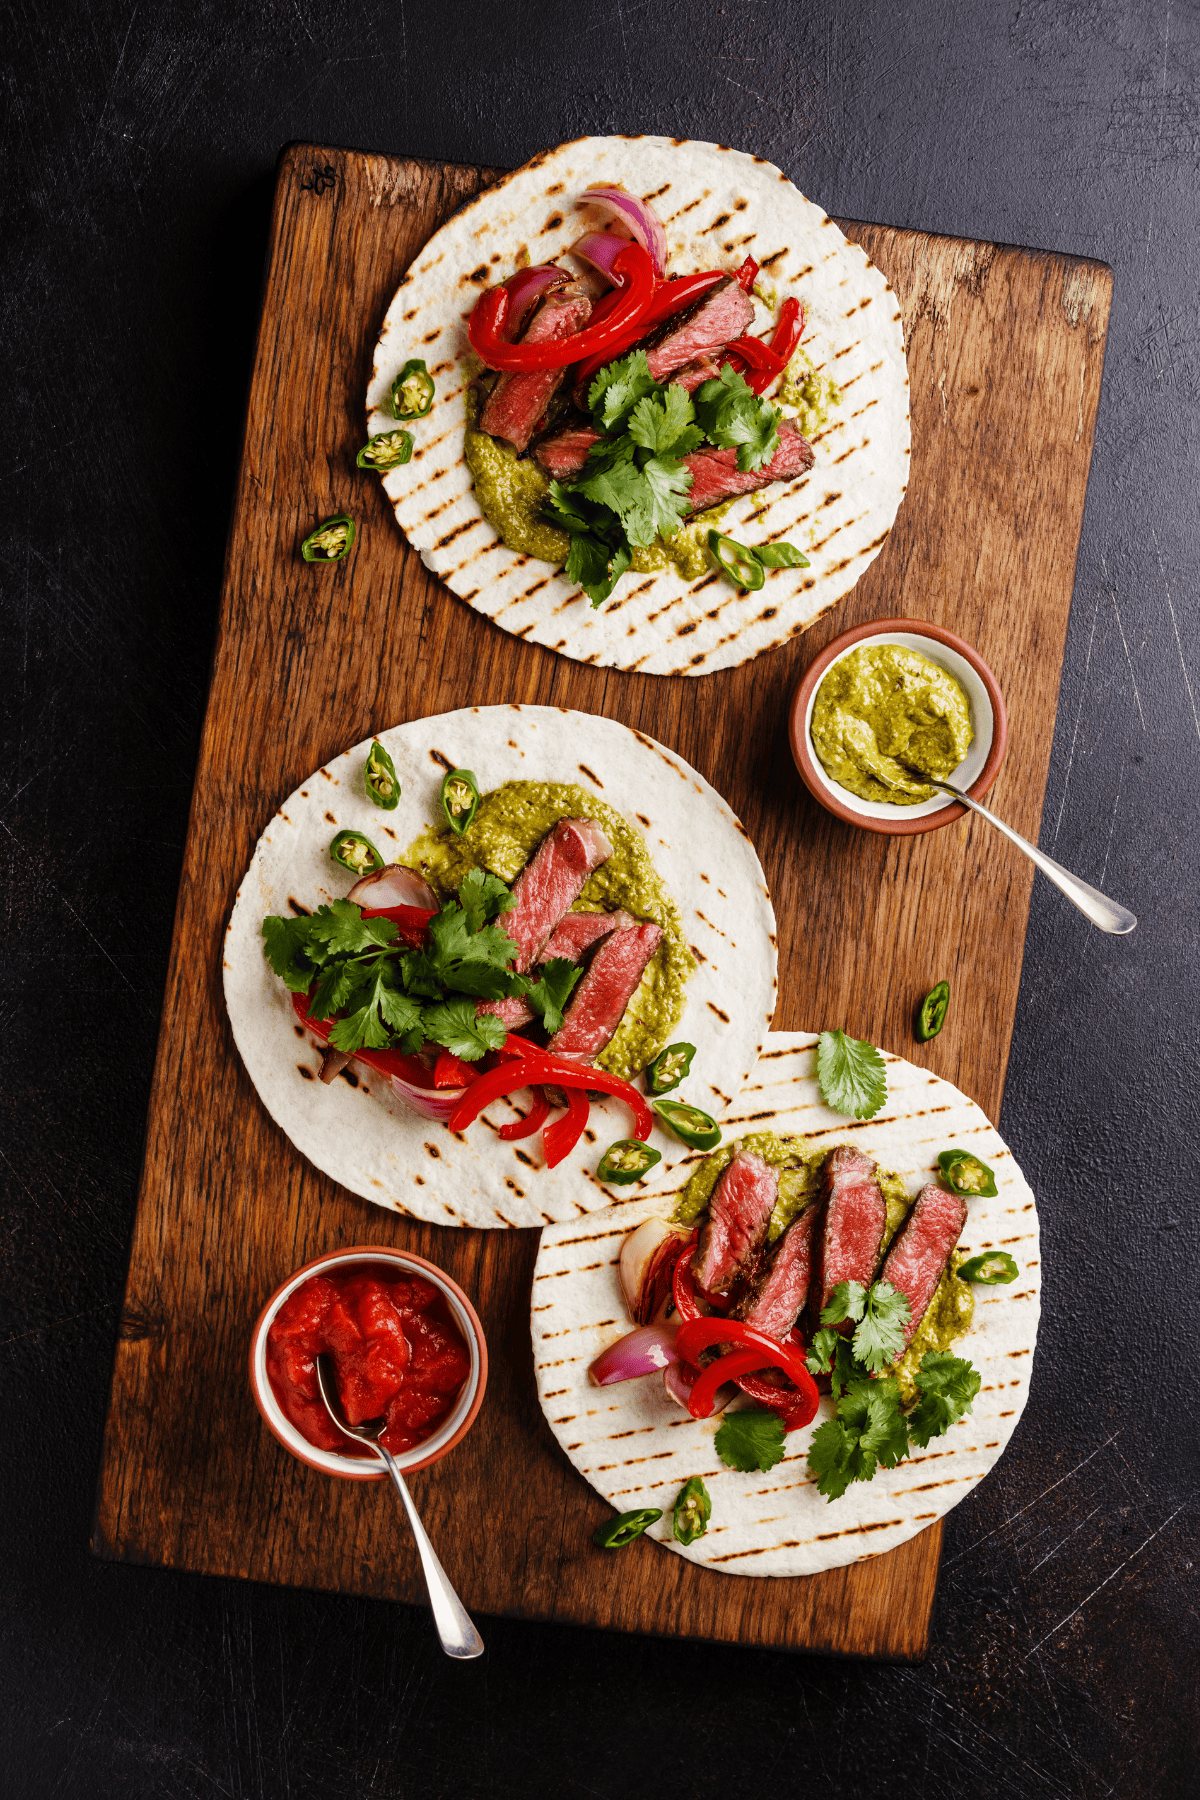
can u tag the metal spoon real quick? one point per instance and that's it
(1094, 905)
(459, 1637)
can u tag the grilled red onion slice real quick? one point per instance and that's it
(396, 885)
(601, 249)
(642, 1352)
(430, 1102)
(635, 216)
(525, 288)
(332, 1063)
(647, 1260)
(679, 1387)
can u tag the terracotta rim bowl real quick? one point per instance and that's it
(357, 1468)
(978, 769)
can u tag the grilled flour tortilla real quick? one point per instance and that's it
(718, 206)
(637, 1448)
(358, 1131)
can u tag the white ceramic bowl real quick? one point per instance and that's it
(454, 1427)
(989, 722)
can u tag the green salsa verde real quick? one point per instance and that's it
(509, 823)
(813, 395)
(883, 716)
(952, 1308)
(512, 491)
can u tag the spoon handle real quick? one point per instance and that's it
(1094, 905)
(458, 1635)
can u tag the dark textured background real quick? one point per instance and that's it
(139, 143)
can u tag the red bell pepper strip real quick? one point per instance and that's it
(703, 1334)
(451, 1072)
(795, 1406)
(411, 922)
(758, 355)
(384, 1062)
(559, 1139)
(534, 1069)
(683, 1287)
(486, 327)
(747, 275)
(670, 297)
(725, 1368)
(788, 331)
(537, 1115)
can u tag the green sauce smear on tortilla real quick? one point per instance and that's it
(885, 715)
(952, 1308)
(512, 491)
(508, 826)
(813, 395)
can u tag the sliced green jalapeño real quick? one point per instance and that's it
(735, 562)
(386, 450)
(383, 785)
(690, 1125)
(994, 1268)
(625, 1527)
(412, 391)
(964, 1173)
(669, 1068)
(460, 798)
(353, 850)
(931, 1014)
(626, 1161)
(692, 1511)
(333, 539)
(781, 556)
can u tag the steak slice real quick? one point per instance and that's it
(854, 1220)
(918, 1257)
(739, 1212)
(598, 1003)
(714, 320)
(776, 1295)
(511, 1012)
(716, 476)
(695, 374)
(564, 454)
(578, 931)
(518, 402)
(550, 883)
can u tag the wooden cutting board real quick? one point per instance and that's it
(1005, 350)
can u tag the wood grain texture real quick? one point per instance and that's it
(1005, 359)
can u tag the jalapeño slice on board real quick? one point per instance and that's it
(331, 541)
(931, 1014)
(625, 1527)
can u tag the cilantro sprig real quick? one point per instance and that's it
(381, 994)
(635, 484)
(870, 1426)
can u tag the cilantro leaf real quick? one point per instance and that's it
(750, 1440)
(617, 389)
(829, 1458)
(879, 1339)
(822, 1350)
(461, 1030)
(341, 930)
(847, 1301)
(948, 1386)
(362, 1028)
(483, 897)
(869, 1429)
(664, 423)
(851, 1074)
(731, 413)
(549, 994)
(667, 485)
(402, 1013)
(337, 983)
(285, 946)
(465, 961)
(596, 567)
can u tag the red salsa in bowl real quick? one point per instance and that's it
(406, 1345)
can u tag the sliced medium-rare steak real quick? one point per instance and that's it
(695, 374)
(739, 1212)
(776, 1295)
(852, 1227)
(716, 318)
(564, 454)
(600, 999)
(716, 476)
(518, 402)
(918, 1257)
(578, 931)
(550, 883)
(511, 1012)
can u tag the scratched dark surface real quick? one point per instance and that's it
(139, 145)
